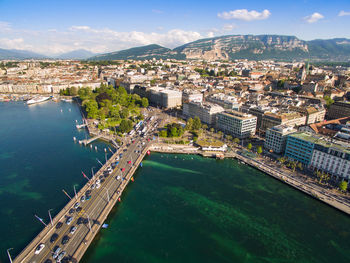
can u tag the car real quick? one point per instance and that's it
(56, 251)
(82, 199)
(118, 177)
(73, 229)
(101, 177)
(98, 186)
(53, 238)
(69, 220)
(85, 221)
(80, 220)
(61, 256)
(48, 261)
(71, 211)
(79, 209)
(98, 181)
(65, 240)
(76, 205)
(59, 225)
(93, 186)
(39, 248)
(88, 197)
(102, 180)
(88, 191)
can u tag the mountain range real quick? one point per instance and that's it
(260, 47)
(252, 47)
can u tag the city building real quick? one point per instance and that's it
(270, 120)
(226, 101)
(300, 146)
(205, 111)
(190, 95)
(238, 124)
(339, 109)
(276, 138)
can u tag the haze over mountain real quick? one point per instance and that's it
(257, 47)
(76, 54)
(19, 54)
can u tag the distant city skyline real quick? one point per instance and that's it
(54, 27)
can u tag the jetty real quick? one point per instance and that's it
(88, 141)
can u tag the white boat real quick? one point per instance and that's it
(37, 100)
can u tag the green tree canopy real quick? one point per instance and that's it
(259, 150)
(197, 124)
(249, 146)
(343, 185)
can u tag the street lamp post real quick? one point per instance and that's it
(75, 193)
(92, 171)
(8, 254)
(50, 217)
(106, 156)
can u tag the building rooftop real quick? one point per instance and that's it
(238, 115)
(323, 141)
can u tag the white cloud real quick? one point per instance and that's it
(4, 26)
(96, 40)
(244, 14)
(344, 13)
(313, 18)
(210, 34)
(229, 27)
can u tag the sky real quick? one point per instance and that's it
(52, 27)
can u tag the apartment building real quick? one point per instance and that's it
(270, 120)
(205, 111)
(276, 138)
(339, 109)
(238, 124)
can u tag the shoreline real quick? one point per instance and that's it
(314, 191)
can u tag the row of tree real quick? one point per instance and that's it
(172, 130)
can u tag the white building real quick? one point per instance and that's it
(276, 138)
(189, 95)
(205, 111)
(331, 156)
(238, 124)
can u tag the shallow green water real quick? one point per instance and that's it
(184, 208)
(38, 159)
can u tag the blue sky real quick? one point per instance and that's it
(53, 27)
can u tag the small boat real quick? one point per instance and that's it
(37, 100)
(132, 179)
(105, 226)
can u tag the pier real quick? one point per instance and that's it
(88, 141)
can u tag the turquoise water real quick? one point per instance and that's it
(38, 159)
(181, 208)
(184, 208)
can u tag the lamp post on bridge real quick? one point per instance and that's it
(50, 217)
(75, 193)
(92, 171)
(8, 254)
(88, 221)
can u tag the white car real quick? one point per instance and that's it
(39, 248)
(73, 229)
(77, 204)
(118, 177)
(56, 252)
(98, 186)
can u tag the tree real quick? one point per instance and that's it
(211, 129)
(189, 124)
(163, 133)
(236, 140)
(196, 123)
(173, 132)
(229, 137)
(328, 100)
(343, 185)
(300, 166)
(281, 160)
(125, 126)
(259, 150)
(292, 165)
(144, 102)
(204, 126)
(249, 146)
(124, 113)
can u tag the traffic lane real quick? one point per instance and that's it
(63, 230)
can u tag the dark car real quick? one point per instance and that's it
(89, 191)
(80, 220)
(54, 237)
(101, 177)
(79, 209)
(85, 220)
(48, 261)
(102, 180)
(59, 225)
(65, 239)
(71, 211)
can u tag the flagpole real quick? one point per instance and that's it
(50, 217)
(40, 219)
(66, 194)
(75, 193)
